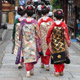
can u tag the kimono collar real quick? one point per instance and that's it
(29, 20)
(45, 19)
(58, 22)
(21, 18)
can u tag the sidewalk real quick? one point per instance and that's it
(9, 70)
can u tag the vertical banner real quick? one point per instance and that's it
(17, 3)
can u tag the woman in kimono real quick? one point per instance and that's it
(15, 34)
(58, 33)
(44, 25)
(29, 37)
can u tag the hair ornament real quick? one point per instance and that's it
(48, 8)
(29, 7)
(42, 7)
(21, 7)
(59, 12)
(33, 6)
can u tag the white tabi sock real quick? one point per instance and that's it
(28, 72)
(46, 65)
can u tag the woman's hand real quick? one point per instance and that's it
(69, 43)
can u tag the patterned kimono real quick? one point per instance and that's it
(29, 33)
(58, 32)
(15, 36)
(44, 24)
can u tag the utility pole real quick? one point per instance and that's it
(0, 12)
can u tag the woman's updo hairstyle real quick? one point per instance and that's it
(45, 9)
(21, 10)
(30, 10)
(59, 14)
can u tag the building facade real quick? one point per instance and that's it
(73, 17)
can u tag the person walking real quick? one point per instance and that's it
(30, 40)
(15, 34)
(44, 25)
(55, 39)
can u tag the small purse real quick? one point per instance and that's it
(67, 61)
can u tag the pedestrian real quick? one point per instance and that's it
(58, 33)
(38, 12)
(30, 38)
(15, 34)
(44, 25)
(35, 2)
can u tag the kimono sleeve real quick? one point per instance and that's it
(48, 38)
(66, 34)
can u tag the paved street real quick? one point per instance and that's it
(9, 71)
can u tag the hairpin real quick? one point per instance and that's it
(59, 12)
(42, 7)
(29, 7)
(48, 8)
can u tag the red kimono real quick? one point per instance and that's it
(58, 67)
(46, 57)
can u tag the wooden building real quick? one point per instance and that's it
(73, 17)
(7, 11)
(71, 10)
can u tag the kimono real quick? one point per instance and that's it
(44, 25)
(15, 36)
(56, 35)
(29, 37)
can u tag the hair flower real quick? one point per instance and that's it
(30, 7)
(42, 7)
(59, 12)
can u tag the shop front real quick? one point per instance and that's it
(8, 11)
(73, 18)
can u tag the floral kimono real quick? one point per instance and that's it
(44, 25)
(30, 39)
(16, 34)
(16, 40)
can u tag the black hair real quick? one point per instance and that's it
(41, 3)
(30, 10)
(21, 11)
(29, 3)
(59, 14)
(45, 10)
(47, 3)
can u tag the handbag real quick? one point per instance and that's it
(58, 58)
(67, 61)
